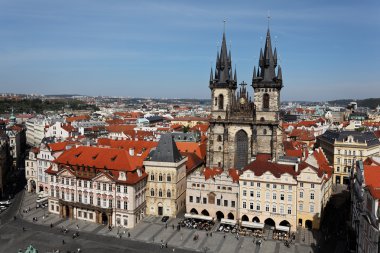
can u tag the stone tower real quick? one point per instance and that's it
(267, 86)
(232, 114)
(239, 128)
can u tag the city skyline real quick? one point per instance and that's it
(166, 50)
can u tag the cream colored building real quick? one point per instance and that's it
(268, 193)
(343, 148)
(285, 194)
(213, 192)
(166, 185)
(99, 185)
(314, 188)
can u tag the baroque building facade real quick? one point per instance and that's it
(239, 127)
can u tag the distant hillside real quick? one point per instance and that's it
(368, 102)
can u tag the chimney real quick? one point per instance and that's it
(131, 151)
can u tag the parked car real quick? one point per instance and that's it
(165, 219)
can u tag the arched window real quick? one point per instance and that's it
(160, 193)
(262, 119)
(241, 150)
(151, 177)
(168, 194)
(160, 177)
(264, 132)
(169, 178)
(219, 138)
(266, 101)
(152, 192)
(221, 101)
(216, 101)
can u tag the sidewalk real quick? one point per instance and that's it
(152, 230)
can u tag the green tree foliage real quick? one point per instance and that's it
(38, 106)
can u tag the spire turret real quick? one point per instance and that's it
(266, 74)
(223, 71)
(279, 73)
(211, 76)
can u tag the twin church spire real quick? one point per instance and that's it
(264, 76)
(224, 77)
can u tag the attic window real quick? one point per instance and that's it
(95, 156)
(77, 155)
(114, 158)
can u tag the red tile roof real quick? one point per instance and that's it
(262, 165)
(370, 161)
(84, 160)
(193, 161)
(198, 148)
(372, 179)
(60, 146)
(120, 128)
(77, 118)
(139, 146)
(234, 174)
(211, 172)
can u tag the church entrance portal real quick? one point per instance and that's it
(241, 153)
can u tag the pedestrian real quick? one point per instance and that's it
(63, 241)
(210, 234)
(224, 236)
(166, 245)
(23, 229)
(166, 225)
(77, 227)
(173, 226)
(129, 234)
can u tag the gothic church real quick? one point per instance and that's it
(240, 128)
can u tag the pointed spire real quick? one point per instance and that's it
(261, 59)
(211, 75)
(279, 73)
(254, 73)
(235, 76)
(275, 56)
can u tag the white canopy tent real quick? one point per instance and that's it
(255, 225)
(228, 222)
(283, 228)
(198, 217)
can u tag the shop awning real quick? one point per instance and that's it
(283, 228)
(228, 222)
(249, 224)
(198, 217)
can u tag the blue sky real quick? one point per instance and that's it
(327, 49)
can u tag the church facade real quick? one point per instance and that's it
(240, 128)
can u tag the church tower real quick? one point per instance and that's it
(222, 84)
(267, 87)
(231, 123)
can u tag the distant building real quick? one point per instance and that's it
(343, 148)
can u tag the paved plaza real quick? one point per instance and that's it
(152, 232)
